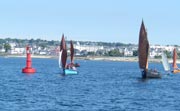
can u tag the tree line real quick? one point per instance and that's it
(55, 42)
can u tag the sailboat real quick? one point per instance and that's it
(165, 62)
(63, 58)
(174, 65)
(143, 50)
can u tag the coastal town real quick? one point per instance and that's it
(90, 55)
(82, 48)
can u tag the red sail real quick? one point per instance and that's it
(72, 51)
(64, 58)
(143, 48)
(174, 65)
(64, 52)
(63, 43)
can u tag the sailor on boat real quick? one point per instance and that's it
(70, 66)
(77, 65)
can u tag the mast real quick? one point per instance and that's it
(174, 65)
(143, 48)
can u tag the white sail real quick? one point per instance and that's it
(165, 62)
(60, 53)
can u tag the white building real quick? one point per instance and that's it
(2, 50)
(88, 48)
(128, 52)
(17, 51)
(167, 48)
(13, 45)
(42, 52)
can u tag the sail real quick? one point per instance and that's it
(64, 58)
(63, 53)
(174, 65)
(63, 43)
(60, 54)
(72, 51)
(143, 48)
(165, 62)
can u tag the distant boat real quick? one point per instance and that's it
(63, 58)
(143, 50)
(165, 62)
(174, 65)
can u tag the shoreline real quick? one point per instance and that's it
(24, 56)
(96, 58)
(125, 59)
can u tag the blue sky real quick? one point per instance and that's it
(91, 20)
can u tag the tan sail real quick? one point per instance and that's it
(143, 48)
(174, 65)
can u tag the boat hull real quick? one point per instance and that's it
(70, 72)
(153, 74)
(176, 71)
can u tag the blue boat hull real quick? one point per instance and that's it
(70, 72)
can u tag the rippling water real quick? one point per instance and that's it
(99, 86)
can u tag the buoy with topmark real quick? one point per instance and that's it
(28, 69)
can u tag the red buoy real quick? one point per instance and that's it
(28, 69)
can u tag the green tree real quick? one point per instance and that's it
(91, 53)
(43, 45)
(31, 41)
(168, 54)
(114, 52)
(157, 57)
(1, 46)
(178, 53)
(135, 53)
(7, 47)
(2, 41)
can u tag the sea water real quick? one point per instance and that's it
(99, 86)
